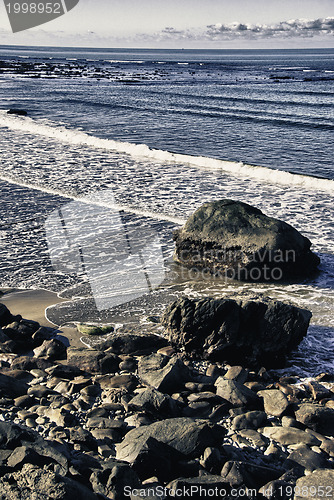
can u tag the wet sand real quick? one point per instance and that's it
(31, 304)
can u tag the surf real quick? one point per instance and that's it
(28, 125)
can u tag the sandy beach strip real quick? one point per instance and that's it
(31, 304)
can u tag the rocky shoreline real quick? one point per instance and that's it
(134, 418)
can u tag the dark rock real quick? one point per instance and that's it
(20, 485)
(318, 483)
(51, 349)
(275, 402)
(277, 490)
(27, 363)
(154, 402)
(163, 373)
(236, 373)
(128, 382)
(132, 343)
(154, 458)
(235, 240)
(189, 437)
(237, 394)
(26, 455)
(129, 364)
(257, 332)
(113, 479)
(212, 460)
(201, 486)
(43, 333)
(317, 418)
(11, 387)
(307, 459)
(93, 361)
(249, 420)
(64, 371)
(24, 401)
(242, 474)
(19, 112)
(5, 316)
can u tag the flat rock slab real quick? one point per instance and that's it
(93, 361)
(186, 435)
(289, 435)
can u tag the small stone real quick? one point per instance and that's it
(167, 351)
(236, 394)
(236, 373)
(318, 391)
(24, 401)
(249, 420)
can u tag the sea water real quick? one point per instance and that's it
(120, 147)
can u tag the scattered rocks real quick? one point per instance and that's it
(83, 427)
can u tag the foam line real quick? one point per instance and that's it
(77, 137)
(91, 199)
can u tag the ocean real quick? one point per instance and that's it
(120, 146)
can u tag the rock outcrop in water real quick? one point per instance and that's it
(251, 332)
(235, 240)
(100, 430)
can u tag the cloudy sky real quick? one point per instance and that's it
(184, 24)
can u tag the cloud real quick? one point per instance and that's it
(286, 29)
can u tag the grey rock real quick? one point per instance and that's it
(236, 373)
(189, 437)
(317, 418)
(132, 343)
(321, 482)
(154, 401)
(242, 474)
(112, 480)
(51, 349)
(163, 373)
(289, 435)
(249, 420)
(307, 459)
(275, 402)
(93, 361)
(233, 239)
(253, 332)
(34, 483)
(237, 394)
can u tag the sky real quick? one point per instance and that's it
(184, 24)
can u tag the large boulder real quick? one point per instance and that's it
(235, 240)
(260, 331)
(187, 436)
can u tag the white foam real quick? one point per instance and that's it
(97, 200)
(77, 137)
